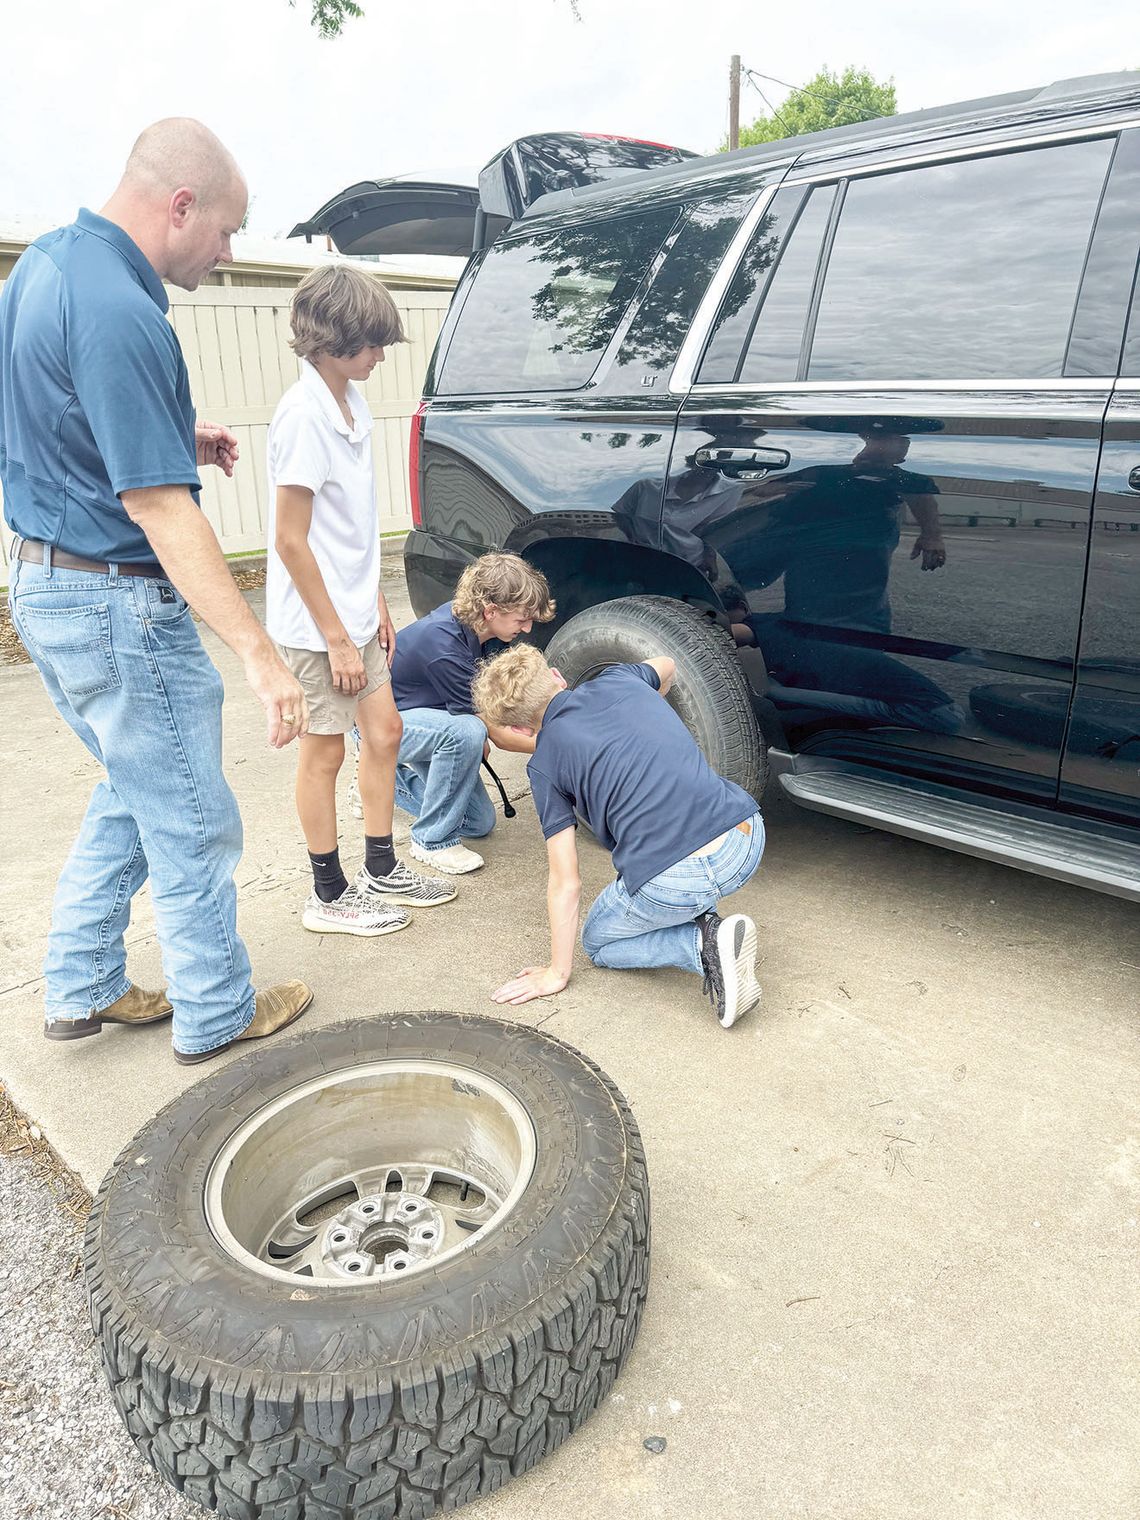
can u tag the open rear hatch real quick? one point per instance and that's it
(393, 217)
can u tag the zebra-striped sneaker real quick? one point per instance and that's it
(353, 913)
(402, 885)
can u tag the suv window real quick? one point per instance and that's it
(965, 270)
(542, 309)
(737, 314)
(773, 351)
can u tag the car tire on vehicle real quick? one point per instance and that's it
(709, 692)
(374, 1271)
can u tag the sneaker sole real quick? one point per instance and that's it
(318, 926)
(738, 966)
(426, 859)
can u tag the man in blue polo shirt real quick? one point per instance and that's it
(615, 754)
(98, 460)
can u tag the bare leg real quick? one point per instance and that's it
(381, 729)
(319, 761)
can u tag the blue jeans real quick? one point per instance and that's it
(437, 777)
(122, 661)
(654, 926)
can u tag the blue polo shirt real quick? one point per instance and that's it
(614, 751)
(435, 663)
(94, 394)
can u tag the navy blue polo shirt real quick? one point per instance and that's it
(435, 663)
(616, 752)
(94, 394)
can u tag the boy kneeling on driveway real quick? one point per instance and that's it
(681, 836)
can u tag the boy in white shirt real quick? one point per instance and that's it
(324, 606)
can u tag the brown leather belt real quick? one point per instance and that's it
(34, 554)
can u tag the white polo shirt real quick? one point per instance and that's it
(311, 445)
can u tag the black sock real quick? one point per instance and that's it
(329, 880)
(379, 856)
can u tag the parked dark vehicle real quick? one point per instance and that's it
(852, 421)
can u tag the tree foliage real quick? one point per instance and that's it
(828, 100)
(329, 16)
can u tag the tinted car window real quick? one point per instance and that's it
(542, 309)
(966, 270)
(774, 348)
(738, 310)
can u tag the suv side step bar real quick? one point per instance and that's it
(1030, 839)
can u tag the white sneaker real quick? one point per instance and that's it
(405, 886)
(456, 860)
(352, 914)
(728, 958)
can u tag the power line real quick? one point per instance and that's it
(799, 89)
(767, 102)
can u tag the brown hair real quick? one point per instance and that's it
(514, 688)
(338, 311)
(502, 580)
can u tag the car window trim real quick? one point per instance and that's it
(884, 386)
(683, 377)
(1089, 245)
(838, 200)
(696, 340)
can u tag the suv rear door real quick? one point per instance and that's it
(1101, 769)
(896, 438)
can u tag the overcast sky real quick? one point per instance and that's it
(441, 85)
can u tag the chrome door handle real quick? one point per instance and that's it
(743, 464)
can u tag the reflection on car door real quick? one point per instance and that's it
(889, 394)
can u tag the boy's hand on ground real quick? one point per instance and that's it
(531, 982)
(348, 674)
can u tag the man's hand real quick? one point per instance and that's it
(348, 673)
(386, 632)
(531, 982)
(932, 548)
(279, 692)
(214, 444)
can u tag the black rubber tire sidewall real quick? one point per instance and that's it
(710, 692)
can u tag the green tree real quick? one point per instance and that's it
(329, 16)
(828, 100)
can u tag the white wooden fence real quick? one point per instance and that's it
(237, 351)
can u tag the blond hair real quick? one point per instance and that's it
(514, 687)
(338, 311)
(505, 581)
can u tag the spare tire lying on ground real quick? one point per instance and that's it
(373, 1271)
(710, 693)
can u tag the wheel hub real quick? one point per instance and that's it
(382, 1235)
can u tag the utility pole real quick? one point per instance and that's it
(734, 102)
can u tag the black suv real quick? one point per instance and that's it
(849, 423)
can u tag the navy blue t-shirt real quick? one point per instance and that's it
(614, 751)
(94, 394)
(434, 663)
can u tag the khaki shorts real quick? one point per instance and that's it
(331, 711)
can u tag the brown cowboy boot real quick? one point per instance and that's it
(274, 1009)
(135, 1008)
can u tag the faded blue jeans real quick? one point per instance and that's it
(654, 926)
(122, 661)
(437, 777)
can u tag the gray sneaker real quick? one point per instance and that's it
(353, 913)
(403, 885)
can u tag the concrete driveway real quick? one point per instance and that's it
(896, 1221)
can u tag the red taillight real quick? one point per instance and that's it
(415, 442)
